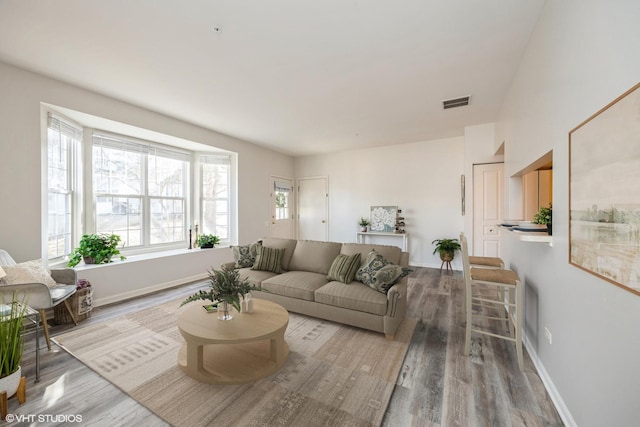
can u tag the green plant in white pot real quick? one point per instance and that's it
(12, 314)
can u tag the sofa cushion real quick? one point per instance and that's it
(391, 253)
(344, 268)
(356, 296)
(255, 277)
(295, 284)
(314, 256)
(287, 244)
(379, 273)
(268, 259)
(245, 255)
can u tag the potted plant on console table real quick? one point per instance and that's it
(225, 288)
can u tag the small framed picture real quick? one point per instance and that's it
(211, 308)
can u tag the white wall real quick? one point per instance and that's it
(22, 93)
(422, 179)
(583, 54)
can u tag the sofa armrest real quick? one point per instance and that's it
(66, 276)
(397, 299)
(231, 265)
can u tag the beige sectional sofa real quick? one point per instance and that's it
(303, 286)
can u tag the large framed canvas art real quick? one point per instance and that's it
(383, 219)
(604, 193)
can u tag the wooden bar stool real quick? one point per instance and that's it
(485, 289)
(484, 261)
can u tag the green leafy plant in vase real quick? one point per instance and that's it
(225, 288)
(96, 249)
(446, 248)
(208, 241)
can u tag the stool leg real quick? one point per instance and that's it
(467, 335)
(519, 318)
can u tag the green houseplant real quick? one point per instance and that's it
(544, 216)
(446, 248)
(95, 249)
(226, 288)
(11, 343)
(364, 222)
(208, 240)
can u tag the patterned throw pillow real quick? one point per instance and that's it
(268, 259)
(380, 274)
(245, 256)
(344, 268)
(28, 272)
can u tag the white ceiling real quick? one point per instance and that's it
(297, 76)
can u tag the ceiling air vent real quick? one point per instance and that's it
(457, 102)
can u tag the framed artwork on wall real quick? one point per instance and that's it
(383, 219)
(604, 193)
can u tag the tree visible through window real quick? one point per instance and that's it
(140, 191)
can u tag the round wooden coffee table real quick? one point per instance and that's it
(244, 349)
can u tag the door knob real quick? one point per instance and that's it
(323, 221)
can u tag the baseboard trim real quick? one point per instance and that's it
(562, 409)
(148, 290)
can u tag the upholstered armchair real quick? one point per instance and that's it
(40, 296)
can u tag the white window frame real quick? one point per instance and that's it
(83, 204)
(73, 133)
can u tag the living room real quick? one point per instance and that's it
(581, 55)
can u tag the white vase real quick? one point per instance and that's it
(11, 382)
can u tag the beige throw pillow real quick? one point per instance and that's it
(28, 272)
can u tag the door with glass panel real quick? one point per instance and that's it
(282, 203)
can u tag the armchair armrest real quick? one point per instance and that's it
(65, 276)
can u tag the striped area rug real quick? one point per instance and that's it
(335, 375)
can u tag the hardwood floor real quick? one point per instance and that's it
(438, 385)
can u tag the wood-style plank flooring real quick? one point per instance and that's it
(438, 385)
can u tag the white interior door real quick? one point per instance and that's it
(313, 209)
(488, 193)
(282, 205)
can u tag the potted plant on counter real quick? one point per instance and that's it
(544, 216)
(95, 249)
(206, 241)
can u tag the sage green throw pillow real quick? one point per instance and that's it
(268, 259)
(380, 274)
(344, 268)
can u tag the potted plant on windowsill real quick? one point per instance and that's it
(11, 345)
(95, 249)
(364, 222)
(207, 241)
(544, 216)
